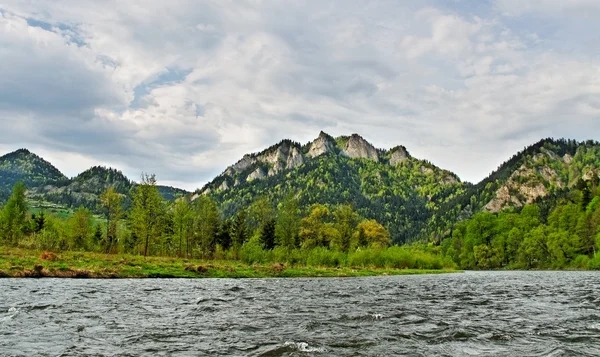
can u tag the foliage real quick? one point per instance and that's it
(568, 238)
(147, 212)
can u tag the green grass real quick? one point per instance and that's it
(15, 262)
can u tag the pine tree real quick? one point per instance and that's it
(267, 234)
(239, 230)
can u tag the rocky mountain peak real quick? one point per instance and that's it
(357, 147)
(398, 155)
(323, 144)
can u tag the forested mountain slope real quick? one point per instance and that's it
(46, 183)
(412, 198)
(390, 186)
(542, 173)
(22, 165)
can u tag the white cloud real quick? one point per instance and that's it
(185, 90)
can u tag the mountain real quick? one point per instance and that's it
(85, 188)
(28, 167)
(542, 173)
(412, 198)
(391, 186)
(46, 183)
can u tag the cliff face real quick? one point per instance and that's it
(399, 154)
(357, 147)
(321, 145)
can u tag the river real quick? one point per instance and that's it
(465, 314)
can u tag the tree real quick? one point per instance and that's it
(14, 215)
(267, 234)
(80, 225)
(37, 222)
(260, 212)
(98, 235)
(206, 224)
(224, 234)
(182, 218)
(286, 228)
(147, 211)
(375, 233)
(239, 230)
(314, 231)
(345, 221)
(111, 204)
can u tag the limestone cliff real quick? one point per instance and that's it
(357, 147)
(321, 145)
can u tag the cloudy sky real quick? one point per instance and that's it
(184, 88)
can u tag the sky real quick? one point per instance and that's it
(184, 89)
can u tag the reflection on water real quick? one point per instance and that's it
(475, 313)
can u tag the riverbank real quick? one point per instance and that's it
(24, 263)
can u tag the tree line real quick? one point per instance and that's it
(187, 228)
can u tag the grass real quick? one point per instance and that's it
(17, 262)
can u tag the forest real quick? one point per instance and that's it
(538, 210)
(260, 233)
(564, 236)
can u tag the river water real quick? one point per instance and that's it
(466, 314)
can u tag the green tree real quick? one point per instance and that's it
(239, 230)
(260, 212)
(206, 224)
(81, 227)
(375, 233)
(286, 228)
(345, 222)
(313, 230)
(98, 235)
(182, 222)
(111, 204)
(147, 211)
(14, 214)
(267, 234)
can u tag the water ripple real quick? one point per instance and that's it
(470, 314)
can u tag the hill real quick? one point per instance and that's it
(28, 167)
(46, 184)
(542, 173)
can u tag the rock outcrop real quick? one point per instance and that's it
(256, 174)
(224, 186)
(244, 163)
(357, 147)
(294, 159)
(399, 154)
(288, 155)
(321, 145)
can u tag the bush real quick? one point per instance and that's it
(252, 252)
(322, 256)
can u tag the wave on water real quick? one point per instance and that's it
(303, 347)
(13, 311)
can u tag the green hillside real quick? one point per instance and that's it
(22, 165)
(390, 186)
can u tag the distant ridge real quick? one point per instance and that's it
(412, 198)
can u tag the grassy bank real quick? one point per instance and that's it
(15, 262)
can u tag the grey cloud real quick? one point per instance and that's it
(185, 89)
